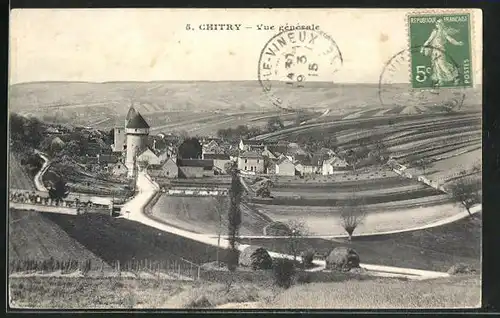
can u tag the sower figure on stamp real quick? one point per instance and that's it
(442, 70)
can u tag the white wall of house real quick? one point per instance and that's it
(149, 157)
(251, 164)
(286, 168)
(306, 169)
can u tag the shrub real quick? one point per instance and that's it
(304, 278)
(277, 229)
(461, 269)
(308, 257)
(256, 258)
(284, 270)
(342, 259)
(200, 302)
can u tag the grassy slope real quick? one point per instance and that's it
(120, 239)
(70, 293)
(32, 236)
(454, 292)
(18, 178)
(433, 249)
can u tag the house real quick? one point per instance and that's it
(220, 161)
(285, 167)
(168, 169)
(251, 161)
(149, 157)
(251, 145)
(269, 154)
(334, 164)
(118, 169)
(195, 168)
(307, 166)
(52, 131)
(57, 144)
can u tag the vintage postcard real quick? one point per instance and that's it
(245, 158)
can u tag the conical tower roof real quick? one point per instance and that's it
(131, 113)
(136, 121)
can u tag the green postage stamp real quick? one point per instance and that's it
(440, 50)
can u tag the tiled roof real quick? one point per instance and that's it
(251, 155)
(253, 142)
(195, 163)
(283, 159)
(217, 156)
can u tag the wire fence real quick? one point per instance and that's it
(176, 269)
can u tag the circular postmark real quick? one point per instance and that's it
(294, 60)
(393, 91)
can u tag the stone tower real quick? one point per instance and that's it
(137, 132)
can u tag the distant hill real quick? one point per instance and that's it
(84, 102)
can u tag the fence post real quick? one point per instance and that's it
(102, 267)
(179, 270)
(199, 272)
(119, 271)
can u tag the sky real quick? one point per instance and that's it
(99, 45)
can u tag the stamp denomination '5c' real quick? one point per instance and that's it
(444, 58)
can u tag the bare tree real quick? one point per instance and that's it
(467, 192)
(221, 206)
(298, 229)
(352, 214)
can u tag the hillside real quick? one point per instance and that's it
(106, 104)
(33, 236)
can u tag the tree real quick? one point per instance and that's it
(274, 124)
(379, 152)
(234, 218)
(466, 191)
(422, 164)
(190, 149)
(351, 157)
(298, 229)
(58, 191)
(352, 214)
(221, 204)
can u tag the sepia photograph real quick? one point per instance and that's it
(244, 159)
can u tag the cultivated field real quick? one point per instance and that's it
(33, 236)
(200, 214)
(201, 107)
(454, 292)
(92, 293)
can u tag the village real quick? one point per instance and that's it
(206, 156)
